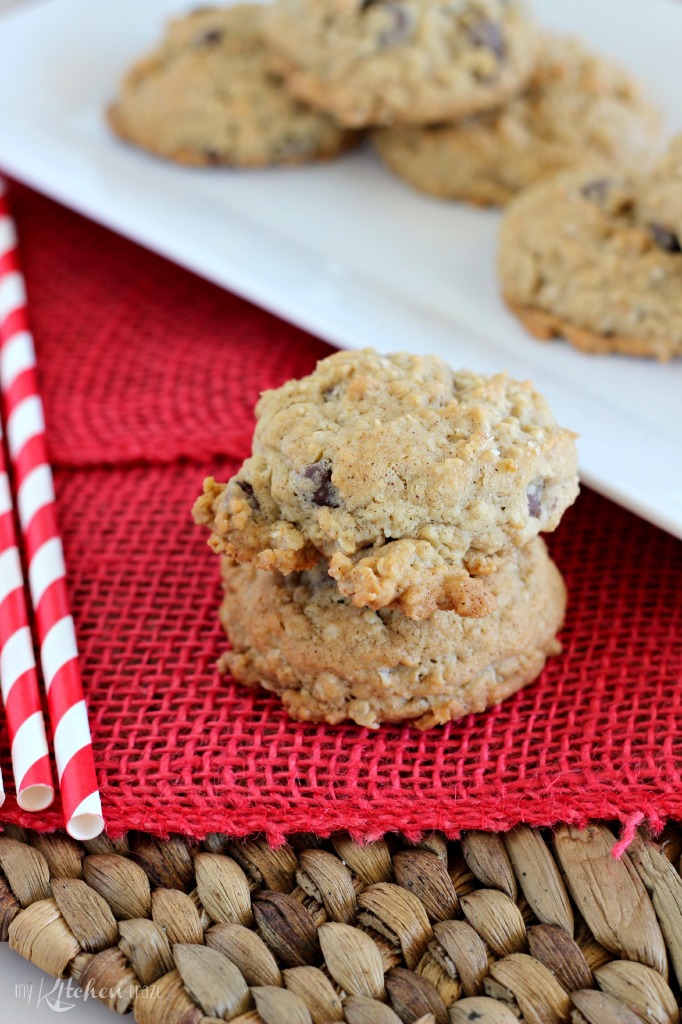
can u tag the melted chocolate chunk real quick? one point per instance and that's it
(399, 28)
(489, 34)
(535, 492)
(212, 37)
(212, 156)
(597, 190)
(324, 493)
(665, 238)
(247, 490)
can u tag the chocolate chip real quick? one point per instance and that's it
(247, 490)
(323, 491)
(211, 38)
(489, 34)
(400, 25)
(212, 156)
(665, 238)
(534, 492)
(597, 190)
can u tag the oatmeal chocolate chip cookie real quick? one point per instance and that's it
(330, 661)
(660, 203)
(579, 259)
(402, 61)
(412, 479)
(579, 107)
(206, 96)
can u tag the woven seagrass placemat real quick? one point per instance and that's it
(544, 928)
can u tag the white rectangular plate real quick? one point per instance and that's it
(344, 249)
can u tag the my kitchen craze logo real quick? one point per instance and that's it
(61, 995)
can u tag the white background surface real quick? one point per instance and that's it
(342, 249)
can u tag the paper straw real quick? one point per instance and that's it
(27, 444)
(18, 675)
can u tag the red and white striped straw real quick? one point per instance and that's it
(27, 444)
(18, 675)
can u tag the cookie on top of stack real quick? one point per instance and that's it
(596, 257)
(381, 557)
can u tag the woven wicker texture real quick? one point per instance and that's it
(179, 749)
(490, 930)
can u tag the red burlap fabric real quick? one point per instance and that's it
(149, 378)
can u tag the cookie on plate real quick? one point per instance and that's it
(413, 480)
(330, 661)
(403, 61)
(581, 259)
(579, 107)
(206, 97)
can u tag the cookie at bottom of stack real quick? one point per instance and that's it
(329, 661)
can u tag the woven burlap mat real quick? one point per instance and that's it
(533, 926)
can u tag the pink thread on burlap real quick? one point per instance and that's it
(628, 833)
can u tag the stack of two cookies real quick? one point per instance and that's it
(381, 557)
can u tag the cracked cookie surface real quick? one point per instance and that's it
(403, 61)
(413, 480)
(330, 661)
(579, 107)
(583, 257)
(205, 96)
